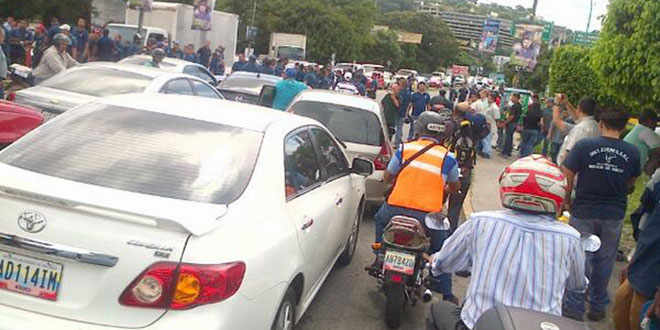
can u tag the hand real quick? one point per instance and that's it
(427, 257)
(654, 310)
(623, 276)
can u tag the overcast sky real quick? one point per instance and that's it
(569, 13)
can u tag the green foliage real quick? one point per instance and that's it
(438, 48)
(387, 6)
(627, 55)
(68, 11)
(571, 73)
(381, 47)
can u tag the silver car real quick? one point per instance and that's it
(86, 83)
(176, 65)
(359, 123)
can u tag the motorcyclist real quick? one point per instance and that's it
(420, 187)
(347, 85)
(157, 56)
(55, 59)
(521, 257)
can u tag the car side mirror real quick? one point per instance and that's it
(266, 96)
(362, 166)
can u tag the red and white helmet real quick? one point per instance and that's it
(533, 184)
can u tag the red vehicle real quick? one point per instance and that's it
(17, 120)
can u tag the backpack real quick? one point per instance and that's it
(463, 145)
(480, 126)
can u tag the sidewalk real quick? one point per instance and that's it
(484, 195)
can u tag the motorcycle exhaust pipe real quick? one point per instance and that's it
(427, 296)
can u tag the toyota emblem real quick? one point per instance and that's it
(32, 222)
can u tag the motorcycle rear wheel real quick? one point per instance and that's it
(394, 301)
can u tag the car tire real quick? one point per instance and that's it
(351, 244)
(286, 314)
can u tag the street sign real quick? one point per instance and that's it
(584, 38)
(547, 31)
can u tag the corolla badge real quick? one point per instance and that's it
(32, 222)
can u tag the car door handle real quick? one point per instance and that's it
(339, 201)
(307, 224)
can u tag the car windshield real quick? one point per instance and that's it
(142, 152)
(144, 61)
(126, 32)
(290, 52)
(405, 72)
(347, 123)
(99, 82)
(248, 84)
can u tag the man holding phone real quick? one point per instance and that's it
(586, 125)
(510, 124)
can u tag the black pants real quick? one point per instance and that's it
(445, 316)
(456, 200)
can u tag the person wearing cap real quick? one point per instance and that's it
(55, 59)
(157, 56)
(175, 51)
(204, 54)
(105, 47)
(54, 28)
(81, 36)
(217, 65)
(286, 90)
(18, 38)
(40, 44)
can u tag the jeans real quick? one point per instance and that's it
(487, 144)
(411, 131)
(546, 143)
(554, 150)
(398, 132)
(599, 264)
(440, 283)
(456, 201)
(508, 139)
(500, 138)
(529, 139)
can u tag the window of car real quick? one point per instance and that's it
(301, 166)
(99, 82)
(346, 123)
(198, 72)
(204, 90)
(178, 86)
(143, 152)
(334, 163)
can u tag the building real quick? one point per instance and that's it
(108, 11)
(467, 27)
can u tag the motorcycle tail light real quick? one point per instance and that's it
(403, 237)
(396, 278)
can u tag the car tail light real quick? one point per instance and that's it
(183, 286)
(383, 158)
(403, 237)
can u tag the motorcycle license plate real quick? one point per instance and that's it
(399, 262)
(30, 276)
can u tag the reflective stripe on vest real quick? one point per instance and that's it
(420, 185)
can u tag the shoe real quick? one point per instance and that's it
(596, 316)
(451, 298)
(572, 315)
(463, 273)
(485, 156)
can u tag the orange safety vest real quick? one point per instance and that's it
(420, 185)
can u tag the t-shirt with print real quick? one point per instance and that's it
(420, 101)
(603, 167)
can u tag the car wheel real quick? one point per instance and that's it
(351, 244)
(285, 318)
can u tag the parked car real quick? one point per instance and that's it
(88, 82)
(436, 80)
(173, 212)
(176, 65)
(356, 121)
(405, 73)
(246, 87)
(17, 120)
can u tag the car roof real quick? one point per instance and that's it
(327, 96)
(143, 70)
(235, 114)
(254, 75)
(174, 61)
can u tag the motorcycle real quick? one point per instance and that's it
(401, 269)
(444, 316)
(21, 78)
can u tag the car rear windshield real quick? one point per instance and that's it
(145, 62)
(246, 84)
(99, 82)
(347, 123)
(142, 152)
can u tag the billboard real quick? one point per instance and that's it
(489, 36)
(527, 48)
(202, 13)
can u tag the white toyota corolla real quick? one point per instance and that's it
(173, 212)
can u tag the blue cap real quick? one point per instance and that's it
(290, 73)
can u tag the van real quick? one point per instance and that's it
(127, 32)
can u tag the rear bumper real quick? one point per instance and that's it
(375, 188)
(234, 313)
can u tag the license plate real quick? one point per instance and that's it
(30, 276)
(399, 262)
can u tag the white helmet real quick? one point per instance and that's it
(348, 76)
(533, 184)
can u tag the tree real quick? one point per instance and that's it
(383, 46)
(68, 11)
(627, 55)
(387, 6)
(571, 73)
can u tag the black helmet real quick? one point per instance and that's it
(158, 53)
(433, 124)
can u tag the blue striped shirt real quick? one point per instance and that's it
(517, 259)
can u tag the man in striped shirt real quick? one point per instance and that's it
(521, 257)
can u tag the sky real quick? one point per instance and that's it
(569, 13)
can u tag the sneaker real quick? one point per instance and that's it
(451, 298)
(596, 316)
(572, 315)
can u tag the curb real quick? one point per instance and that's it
(467, 204)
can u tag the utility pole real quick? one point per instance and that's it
(140, 23)
(536, 3)
(591, 8)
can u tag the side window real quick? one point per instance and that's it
(178, 86)
(333, 161)
(204, 90)
(301, 167)
(198, 72)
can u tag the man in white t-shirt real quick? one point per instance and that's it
(644, 138)
(492, 114)
(481, 105)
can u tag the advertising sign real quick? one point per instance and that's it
(144, 4)
(527, 48)
(460, 69)
(489, 36)
(202, 13)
